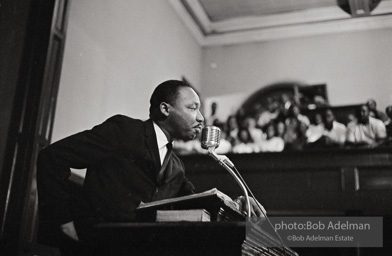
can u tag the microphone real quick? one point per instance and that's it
(210, 137)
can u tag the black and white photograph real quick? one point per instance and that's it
(195, 127)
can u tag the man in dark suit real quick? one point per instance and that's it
(128, 161)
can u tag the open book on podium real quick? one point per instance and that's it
(210, 205)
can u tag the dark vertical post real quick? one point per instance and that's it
(33, 85)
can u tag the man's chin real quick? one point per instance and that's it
(190, 137)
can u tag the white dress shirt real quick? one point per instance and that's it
(161, 141)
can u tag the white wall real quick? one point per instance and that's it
(116, 52)
(355, 66)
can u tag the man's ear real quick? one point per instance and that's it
(164, 107)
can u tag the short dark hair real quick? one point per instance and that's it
(388, 108)
(164, 92)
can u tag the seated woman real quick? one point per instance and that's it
(245, 143)
(271, 143)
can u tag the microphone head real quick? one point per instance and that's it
(210, 137)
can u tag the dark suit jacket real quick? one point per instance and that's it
(122, 160)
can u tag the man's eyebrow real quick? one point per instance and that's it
(197, 104)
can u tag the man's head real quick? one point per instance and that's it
(388, 111)
(318, 119)
(329, 116)
(372, 104)
(270, 130)
(175, 107)
(273, 106)
(364, 114)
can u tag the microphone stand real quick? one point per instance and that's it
(221, 162)
(237, 176)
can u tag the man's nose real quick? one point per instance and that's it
(199, 117)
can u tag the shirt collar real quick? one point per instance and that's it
(161, 137)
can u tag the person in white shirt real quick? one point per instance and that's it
(270, 114)
(272, 143)
(334, 132)
(316, 130)
(296, 112)
(255, 132)
(232, 130)
(374, 112)
(245, 143)
(368, 131)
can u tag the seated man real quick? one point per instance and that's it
(388, 122)
(369, 131)
(374, 112)
(316, 129)
(335, 132)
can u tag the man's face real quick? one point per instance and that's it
(281, 128)
(372, 105)
(364, 114)
(329, 117)
(185, 120)
(389, 112)
(270, 131)
(318, 119)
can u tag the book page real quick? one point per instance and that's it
(206, 193)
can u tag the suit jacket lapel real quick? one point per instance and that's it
(151, 144)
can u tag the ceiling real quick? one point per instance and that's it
(226, 22)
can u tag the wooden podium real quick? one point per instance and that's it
(228, 233)
(187, 238)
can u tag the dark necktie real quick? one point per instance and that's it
(163, 172)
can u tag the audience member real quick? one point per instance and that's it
(318, 120)
(271, 143)
(388, 122)
(295, 111)
(295, 135)
(284, 106)
(245, 143)
(374, 112)
(316, 129)
(270, 114)
(240, 117)
(319, 101)
(280, 129)
(368, 131)
(352, 119)
(255, 132)
(213, 119)
(300, 142)
(232, 130)
(224, 145)
(285, 101)
(295, 131)
(335, 132)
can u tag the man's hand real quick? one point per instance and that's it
(69, 230)
(254, 208)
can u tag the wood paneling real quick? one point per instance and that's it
(335, 182)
